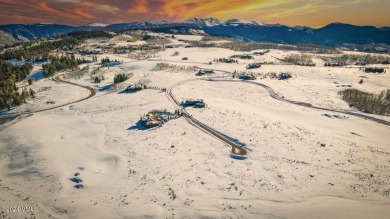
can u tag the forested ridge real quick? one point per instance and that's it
(9, 75)
(38, 51)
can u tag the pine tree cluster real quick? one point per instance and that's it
(120, 78)
(58, 63)
(9, 75)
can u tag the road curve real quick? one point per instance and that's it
(277, 97)
(236, 149)
(56, 78)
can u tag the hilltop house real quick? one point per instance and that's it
(198, 103)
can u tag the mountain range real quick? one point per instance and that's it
(333, 35)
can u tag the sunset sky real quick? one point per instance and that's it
(315, 13)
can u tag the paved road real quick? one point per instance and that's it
(277, 97)
(274, 95)
(236, 149)
(57, 78)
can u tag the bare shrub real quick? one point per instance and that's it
(79, 73)
(368, 102)
(249, 46)
(299, 59)
(172, 67)
(176, 53)
(263, 75)
(350, 59)
(143, 54)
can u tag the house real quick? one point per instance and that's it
(258, 53)
(198, 103)
(374, 70)
(246, 57)
(204, 72)
(134, 87)
(332, 64)
(189, 102)
(226, 60)
(284, 76)
(360, 63)
(253, 65)
(247, 77)
(153, 123)
(156, 118)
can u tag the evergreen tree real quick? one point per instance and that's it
(32, 93)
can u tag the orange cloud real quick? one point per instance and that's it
(289, 12)
(140, 8)
(82, 13)
(87, 4)
(180, 10)
(44, 7)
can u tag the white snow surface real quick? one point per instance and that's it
(300, 163)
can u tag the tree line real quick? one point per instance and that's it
(9, 75)
(120, 78)
(38, 51)
(59, 63)
(368, 102)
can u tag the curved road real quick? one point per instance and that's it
(277, 97)
(236, 149)
(57, 78)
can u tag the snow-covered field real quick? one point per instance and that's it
(300, 164)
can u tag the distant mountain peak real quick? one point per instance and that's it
(234, 22)
(204, 22)
(95, 24)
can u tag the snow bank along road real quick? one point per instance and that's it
(9, 116)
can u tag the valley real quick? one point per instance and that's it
(272, 141)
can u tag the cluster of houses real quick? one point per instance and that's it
(253, 65)
(204, 72)
(156, 118)
(197, 103)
